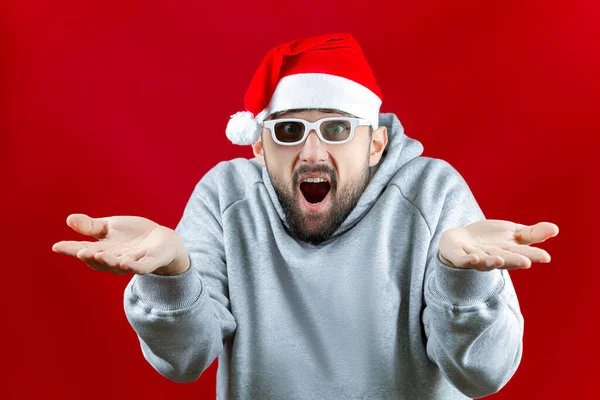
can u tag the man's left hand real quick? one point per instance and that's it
(492, 244)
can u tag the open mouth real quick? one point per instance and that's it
(314, 190)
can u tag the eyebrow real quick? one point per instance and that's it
(278, 114)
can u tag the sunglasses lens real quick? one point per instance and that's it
(336, 130)
(289, 132)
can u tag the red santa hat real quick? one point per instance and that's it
(328, 71)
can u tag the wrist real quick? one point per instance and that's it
(177, 267)
(446, 262)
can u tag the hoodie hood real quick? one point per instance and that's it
(400, 150)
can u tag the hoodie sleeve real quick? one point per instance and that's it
(472, 320)
(183, 321)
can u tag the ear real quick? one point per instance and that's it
(258, 150)
(378, 142)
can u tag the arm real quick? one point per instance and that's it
(183, 321)
(472, 319)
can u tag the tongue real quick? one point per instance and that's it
(314, 192)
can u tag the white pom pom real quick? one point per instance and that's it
(243, 129)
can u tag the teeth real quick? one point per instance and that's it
(314, 180)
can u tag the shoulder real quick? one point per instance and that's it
(229, 181)
(426, 175)
(431, 185)
(239, 170)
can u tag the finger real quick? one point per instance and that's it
(484, 261)
(70, 247)
(107, 258)
(87, 256)
(82, 223)
(528, 234)
(155, 259)
(458, 257)
(535, 254)
(135, 253)
(144, 265)
(112, 261)
(101, 261)
(468, 256)
(124, 262)
(511, 260)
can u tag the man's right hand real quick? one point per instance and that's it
(126, 244)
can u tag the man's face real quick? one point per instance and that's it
(319, 184)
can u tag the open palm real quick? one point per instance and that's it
(126, 244)
(491, 244)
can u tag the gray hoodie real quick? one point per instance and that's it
(370, 314)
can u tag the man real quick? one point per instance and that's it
(337, 264)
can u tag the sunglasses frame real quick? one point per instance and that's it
(309, 126)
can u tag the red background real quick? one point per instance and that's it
(119, 108)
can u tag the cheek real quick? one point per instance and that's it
(350, 164)
(280, 163)
(283, 164)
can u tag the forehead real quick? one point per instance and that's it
(313, 113)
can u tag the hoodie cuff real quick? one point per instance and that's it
(167, 293)
(464, 286)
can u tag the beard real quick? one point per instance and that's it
(315, 228)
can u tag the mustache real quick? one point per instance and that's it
(321, 169)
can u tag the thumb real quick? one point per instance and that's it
(82, 223)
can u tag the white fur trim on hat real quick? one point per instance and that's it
(243, 129)
(317, 90)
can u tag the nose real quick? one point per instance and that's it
(313, 150)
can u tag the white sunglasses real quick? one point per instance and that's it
(331, 130)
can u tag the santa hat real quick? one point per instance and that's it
(328, 71)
